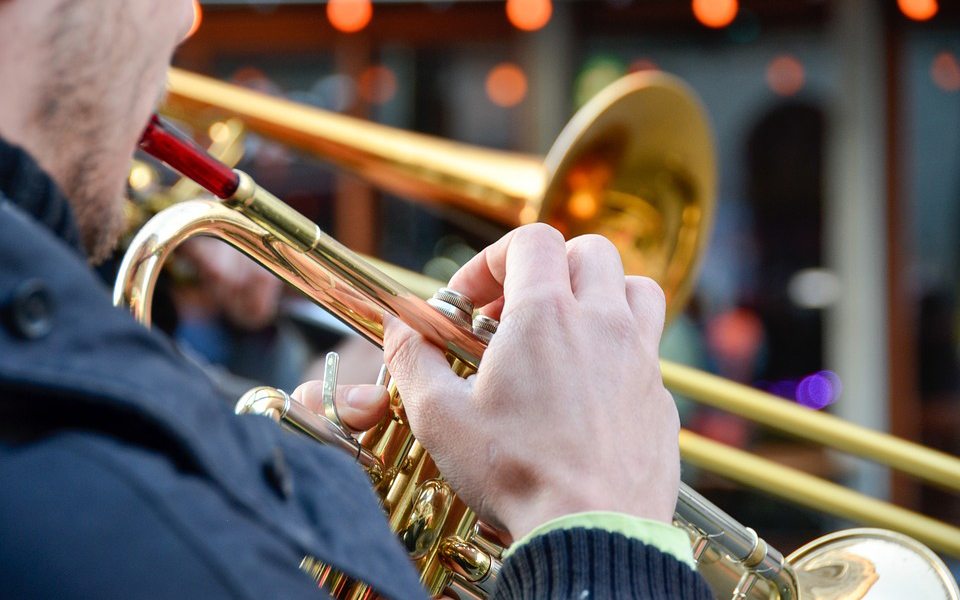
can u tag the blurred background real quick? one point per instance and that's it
(833, 267)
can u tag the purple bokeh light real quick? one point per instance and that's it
(815, 391)
(819, 390)
(785, 389)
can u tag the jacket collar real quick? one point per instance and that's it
(88, 357)
(28, 186)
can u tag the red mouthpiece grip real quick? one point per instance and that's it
(164, 143)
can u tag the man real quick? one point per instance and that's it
(122, 473)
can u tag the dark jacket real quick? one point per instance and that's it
(123, 473)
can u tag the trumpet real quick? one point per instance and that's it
(451, 547)
(656, 204)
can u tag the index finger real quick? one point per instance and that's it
(529, 259)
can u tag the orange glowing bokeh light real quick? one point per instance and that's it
(736, 334)
(506, 85)
(715, 13)
(349, 16)
(587, 182)
(785, 75)
(377, 84)
(945, 72)
(197, 19)
(583, 205)
(918, 10)
(529, 15)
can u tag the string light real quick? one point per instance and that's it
(945, 72)
(506, 85)
(141, 176)
(715, 13)
(918, 10)
(785, 75)
(349, 16)
(598, 72)
(377, 84)
(529, 15)
(819, 390)
(642, 64)
(197, 19)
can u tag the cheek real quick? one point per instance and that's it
(162, 24)
(180, 15)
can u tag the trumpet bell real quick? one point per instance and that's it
(869, 564)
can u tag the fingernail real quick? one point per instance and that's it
(365, 396)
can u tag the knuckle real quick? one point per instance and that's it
(592, 250)
(593, 244)
(539, 230)
(647, 288)
(673, 415)
(540, 235)
(617, 318)
(647, 300)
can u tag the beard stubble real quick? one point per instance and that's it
(84, 116)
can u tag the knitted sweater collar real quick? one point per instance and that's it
(27, 185)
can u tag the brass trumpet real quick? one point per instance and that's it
(444, 537)
(657, 208)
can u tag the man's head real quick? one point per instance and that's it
(78, 81)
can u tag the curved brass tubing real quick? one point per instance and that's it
(743, 467)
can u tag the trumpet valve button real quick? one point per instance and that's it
(426, 518)
(484, 327)
(455, 298)
(453, 305)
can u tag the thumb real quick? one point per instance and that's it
(429, 387)
(359, 407)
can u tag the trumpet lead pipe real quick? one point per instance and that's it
(717, 528)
